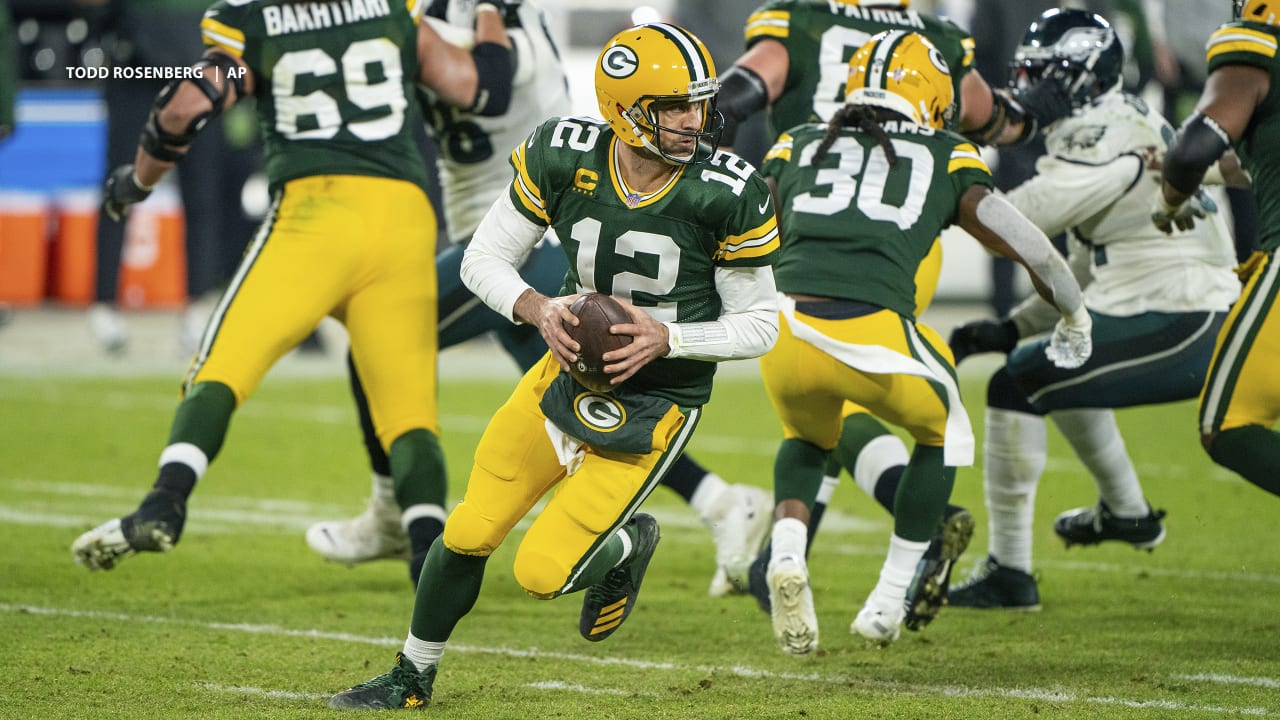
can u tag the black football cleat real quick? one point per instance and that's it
(1093, 525)
(997, 587)
(402, 688)
(608, 603)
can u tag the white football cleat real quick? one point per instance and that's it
(374, 534)
(880, 623)
(740, 529)
(102, 547)
(795, 624)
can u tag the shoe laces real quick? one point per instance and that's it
(400, 679)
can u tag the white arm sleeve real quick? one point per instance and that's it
(1034, 315)
(748, 323)
(491, 263)
(1038, 254)
(1065, 194)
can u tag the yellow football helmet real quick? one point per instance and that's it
(1259, 11)
(903, 72)
(652, 65)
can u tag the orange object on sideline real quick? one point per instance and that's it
(24, 248)
(153, 268)
(73, 258)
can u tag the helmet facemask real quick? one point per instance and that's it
(644, 115)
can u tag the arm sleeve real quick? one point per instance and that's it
(491, 263)
(1034, 315)
(1064, 194)
(1038, 254)
(748, 323)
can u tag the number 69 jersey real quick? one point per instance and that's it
(657, 250)
(855, 227)
(333, 83)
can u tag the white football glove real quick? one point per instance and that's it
(1166, 217)
(1072, 342)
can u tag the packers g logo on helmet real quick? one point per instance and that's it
(648, 67)
(1259, 11)
(619, 61)
(903, 72)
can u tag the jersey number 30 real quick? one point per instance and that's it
(861, 178)
(323, 114)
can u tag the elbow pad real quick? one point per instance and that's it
(742, 94)
(495, 71)
(1199, 144)
(172, 147)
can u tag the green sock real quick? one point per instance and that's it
(1252, 451)
(203, 416)
(797, 471)
(417, 466)
(605, 560)
(447, 591)
(922, 495)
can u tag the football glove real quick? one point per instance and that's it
(982, 336)
(121, 191)
(1166, 217)
(1071, 343)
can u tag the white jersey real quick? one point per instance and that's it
(1094, 184)
(474, 150)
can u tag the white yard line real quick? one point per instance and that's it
(1057, 695)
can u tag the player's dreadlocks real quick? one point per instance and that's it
(867, 119)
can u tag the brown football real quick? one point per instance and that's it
(596, 313)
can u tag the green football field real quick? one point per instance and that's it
(242, 620)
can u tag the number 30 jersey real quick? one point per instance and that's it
(333, 81)
(657, 250)
(855, 227)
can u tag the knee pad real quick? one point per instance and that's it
(541, 575)
(468, 533)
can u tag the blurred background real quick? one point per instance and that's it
(178, 249)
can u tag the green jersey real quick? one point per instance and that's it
(333, 82)
(657, 250)
(820, 37)
(1246, 43)
(856, 228)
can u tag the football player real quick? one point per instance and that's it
(683, 235)
(1157, 304)
(350, 232)
(1239, 108)
(885, 164)
(473, 172)
(795, 69)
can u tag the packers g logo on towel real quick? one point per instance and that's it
(599, 412)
